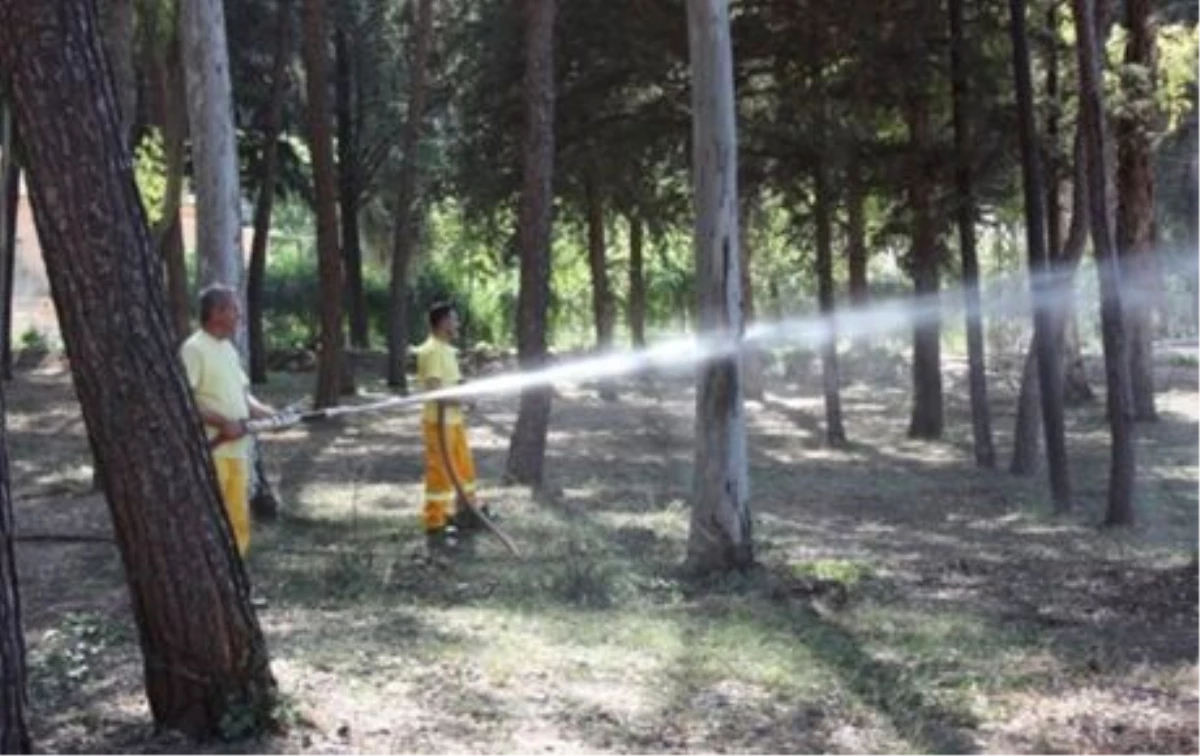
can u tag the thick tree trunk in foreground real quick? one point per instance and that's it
(14, 736)
(719, 537)
(637, 282)
(404, 239)
(981, 415)
(272, 126)
(1135, 206)
(205, 657)
(214, 146)
(10, 197)
(1122, 468)
(1048, 364)
(527, 447)
(316, 66)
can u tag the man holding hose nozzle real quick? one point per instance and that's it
(449, 467)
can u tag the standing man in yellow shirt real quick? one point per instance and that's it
(449, 467)
(221, 391)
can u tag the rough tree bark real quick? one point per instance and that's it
(1041, 291)
(856, 232)
(316, 66)
(719, 537)
(205, 657)
(10, 196)
(527, 447)
(117, 18)
(835, 432)
(637, 281)
(1122, 468)
(981, 415)
(349, 190)
(214, 147)
(14, 735)
(269, 167)
(1135, 202)
(405, 235)
(927, 412)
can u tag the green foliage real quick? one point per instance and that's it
(34, 340)
(150, 172)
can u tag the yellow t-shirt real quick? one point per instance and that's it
(438, 360)
(218, 384)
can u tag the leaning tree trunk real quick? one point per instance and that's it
(1122, 468)
(14, 737)
(981, 415)
(10, 197)
(1135, 204)
(637, 282)
(719, 537)
(927, 413)
(349, 190)
(117, 18)
(1041, 290)
(316, 64)
(527, 447)
(214, 147)
(272, 127)
(408, 203)
(205, 657)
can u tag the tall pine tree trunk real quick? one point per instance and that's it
(408, 204)
(1135, 204)
(752, 357)
(214, 146)
(927, 413)
(1122, 468)
(117, 17)
(348, 183)
(602, 311)
(637, 281)
(981, 415)
(167, 77)
(269, 166)
(527, 447)
(856, 232)
(1048, 365)
(14, 735)
(316, 66)
(205, 657)
(719, 537)
(835, 433)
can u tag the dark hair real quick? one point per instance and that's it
(217, 295)
(438, 313)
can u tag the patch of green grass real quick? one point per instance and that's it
(847, 572)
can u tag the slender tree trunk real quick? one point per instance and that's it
(637, 282)
(927, 413)
(205, 658)
(719, 538)
(14, 735)
(1065, 264)
(527, 447)
(752, 359)
(348, 189)
(214, 147)
(1116, 361)
(981, 415)
(408, 203)
(602, 312)
(856, 232)
(1048, 364)
(272, 127)
(1135, 205)
(835, 433)
(316, 65)
(10, 197)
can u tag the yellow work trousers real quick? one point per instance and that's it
(234, 481)
(439, 487)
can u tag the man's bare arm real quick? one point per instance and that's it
(258, 408)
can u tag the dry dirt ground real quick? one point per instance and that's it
(906, 602)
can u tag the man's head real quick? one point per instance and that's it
(219, 311)
(443, 321)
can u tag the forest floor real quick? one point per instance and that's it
(906, 601)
